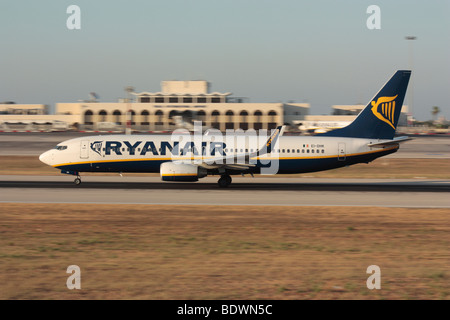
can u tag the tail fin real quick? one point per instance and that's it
(378, 120)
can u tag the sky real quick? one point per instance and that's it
(320, 52)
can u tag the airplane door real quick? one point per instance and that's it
(84, 151)
(341, 151)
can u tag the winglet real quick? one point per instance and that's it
(273, 139)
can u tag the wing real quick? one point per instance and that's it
(242, 161)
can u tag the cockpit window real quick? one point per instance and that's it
(60, 148)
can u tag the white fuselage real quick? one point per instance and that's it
(145, 153)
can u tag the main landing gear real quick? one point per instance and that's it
(224, 181)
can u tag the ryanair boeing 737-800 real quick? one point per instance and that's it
(181, 157)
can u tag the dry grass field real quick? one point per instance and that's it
(228, 252)
(384, 168)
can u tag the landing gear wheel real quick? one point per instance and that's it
(77, 181)
(224, 181)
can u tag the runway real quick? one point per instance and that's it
(260, 191)
(414, 193)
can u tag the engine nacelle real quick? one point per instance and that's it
(171, 171)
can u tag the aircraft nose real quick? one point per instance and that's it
(46, 157)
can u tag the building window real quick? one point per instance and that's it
(272, 120)
(272, 116)
(187, 116)
(172, 114)
(201, 116)
(159, 117)
(243, 124)
(229, 125)
(257, 125)
(215, 100)
(201, 100)
(145, 99)
(257, 115)
(117, 114)
(229, 120)
(173, 100)
(132, 117)
(144, 116)
(102, 115)
(215, 119)
(187, 100)
(88, 117)
(159, 100)
(230, 115)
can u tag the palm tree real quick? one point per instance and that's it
(435, 111)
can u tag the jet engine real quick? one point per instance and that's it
(171, 171)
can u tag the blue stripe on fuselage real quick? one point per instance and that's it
(294, 165)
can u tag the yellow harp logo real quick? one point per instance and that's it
(384, 109)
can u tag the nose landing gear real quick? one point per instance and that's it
(77, 180)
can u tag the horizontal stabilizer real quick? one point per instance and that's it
(385, 143)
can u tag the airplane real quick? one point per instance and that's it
(313, 127)
(183, 159)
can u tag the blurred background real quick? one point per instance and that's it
(159, 65)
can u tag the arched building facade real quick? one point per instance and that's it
(179, 103)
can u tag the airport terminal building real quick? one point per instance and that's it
(179, 104)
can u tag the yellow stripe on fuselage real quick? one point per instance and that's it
(257, 158)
